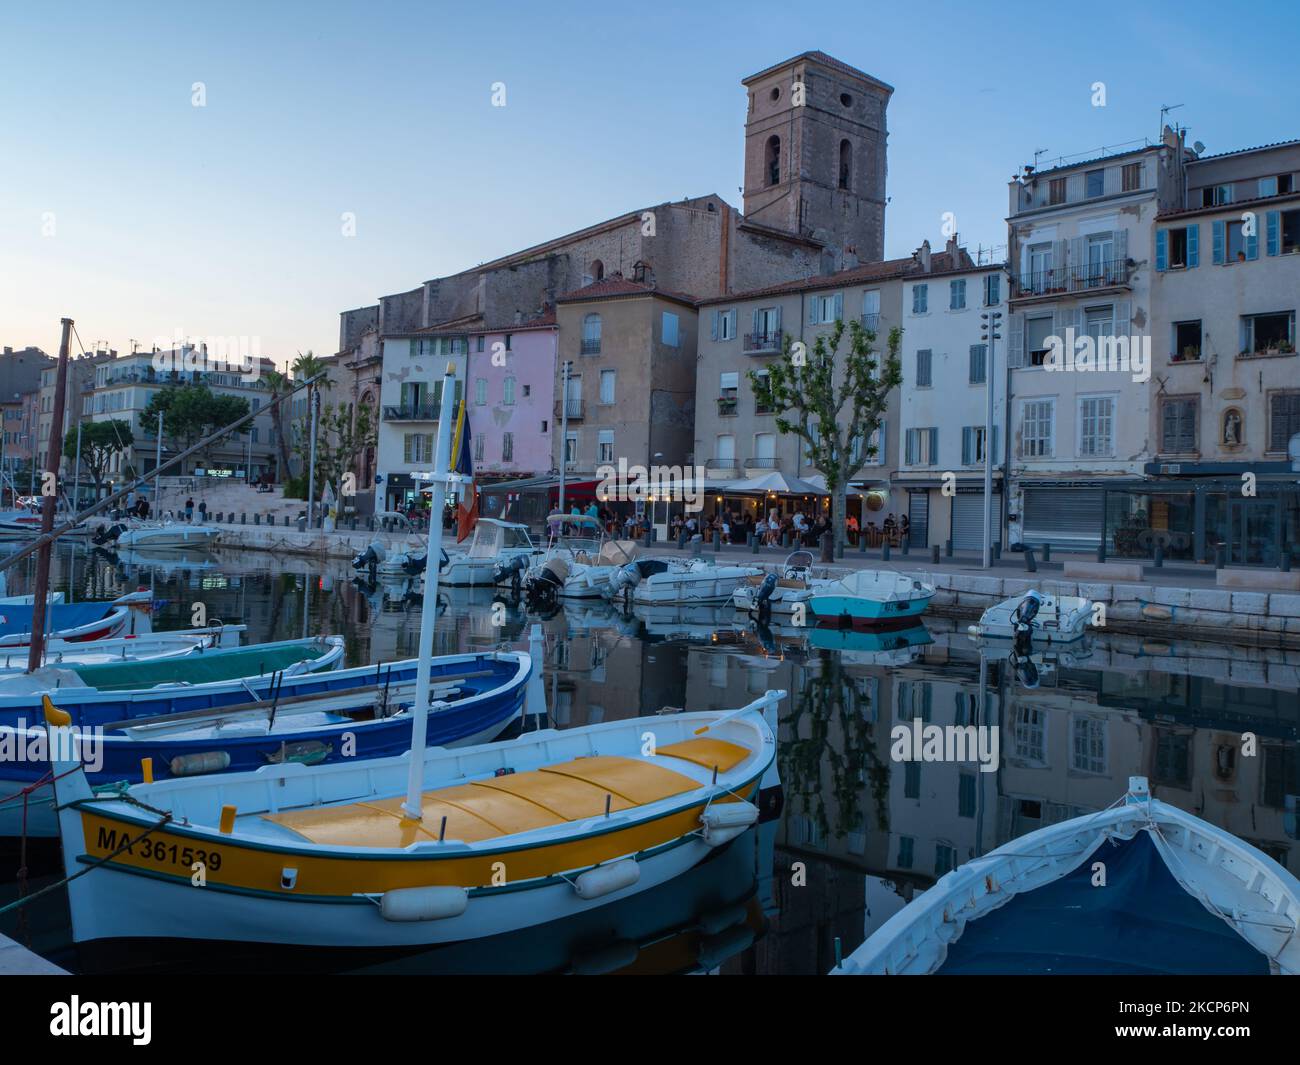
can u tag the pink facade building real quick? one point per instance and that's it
(511, 398)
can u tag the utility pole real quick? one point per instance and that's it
(76, 473)
(48, 497)
(313, 397)
(992, 320)
(564, 427)
(157, 465)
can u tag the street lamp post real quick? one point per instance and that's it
(992, 320)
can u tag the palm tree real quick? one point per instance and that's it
(305, 367)
(279, 384)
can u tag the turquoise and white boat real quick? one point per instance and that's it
(871, 597)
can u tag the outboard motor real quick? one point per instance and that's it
(413, 566)
(1022, 618)
(511, 570)
(624, 579)
(546, 584)
(1025, 670)
(370, 558)
(763, 597)
(107, 534)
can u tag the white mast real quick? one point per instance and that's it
(428, 615)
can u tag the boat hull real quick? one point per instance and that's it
(694, 586)
(867, 611)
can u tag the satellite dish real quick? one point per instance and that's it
(1198, 147)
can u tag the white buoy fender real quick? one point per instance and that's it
(423, 903)
(605, 879)
(723, 822)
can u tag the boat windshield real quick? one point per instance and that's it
(515, 537)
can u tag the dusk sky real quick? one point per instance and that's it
(142, 216)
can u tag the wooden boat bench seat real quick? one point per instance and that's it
(515, 802)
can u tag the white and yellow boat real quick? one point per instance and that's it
(509, 835)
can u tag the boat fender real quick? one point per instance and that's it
(423, 903)
(606, 879)
(190, 765)
(723, 822)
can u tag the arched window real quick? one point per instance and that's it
(597, 270)
(591, 335)
(846, 164)
(773, 160)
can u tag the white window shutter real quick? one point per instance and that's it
(1016, 341)
(1123, 318)
(731, 315)
(812, 309)
(716, 316)
(839, 307)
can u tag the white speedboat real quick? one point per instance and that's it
(1176, 895)
(659, 582)
(172, 535)
(497, 550)
(770, 593)
(578, 562)
(1036, 616)
(871, 597)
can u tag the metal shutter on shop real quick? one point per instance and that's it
(918, 519)
(1069, 517)
(968, 521)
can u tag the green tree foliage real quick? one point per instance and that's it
(343, 434)
(100, 441)
(190, 412)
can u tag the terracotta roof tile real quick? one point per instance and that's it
(618, 285)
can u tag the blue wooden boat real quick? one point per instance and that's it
(1141, 888)
(344, 715)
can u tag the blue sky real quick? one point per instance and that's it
(225, 220)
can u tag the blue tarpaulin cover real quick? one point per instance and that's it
(58, 617)
(1141, 923)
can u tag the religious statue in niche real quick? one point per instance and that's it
(1232, 427)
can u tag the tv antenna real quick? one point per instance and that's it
(1163, 112)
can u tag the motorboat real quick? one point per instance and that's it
(871, 647)
(496, 550)
(1178, 896)
(491, 838)
(1036, 616)
(661, 582)
(871, 597)
(156, 535)
(783, 593)
(68, 623)
(343, 715)
(578, 561)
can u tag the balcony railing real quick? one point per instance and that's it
(763, 408)
(411, 412)
(570, 409)
(723, 462)
(763, 462)
(590, 347)
(760, 343)
(1062, 280)
(727, 406)
(871, 321)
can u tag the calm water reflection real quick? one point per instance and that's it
(859, 833)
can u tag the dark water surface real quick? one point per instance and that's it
(860, 832)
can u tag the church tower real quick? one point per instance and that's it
(815, 153)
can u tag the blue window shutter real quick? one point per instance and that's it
(911, 446)
(1162, 249)
(1273, 227)
(966, 434)
(839, 306)
(777, 327)
(1220, 241)
(812, 310)
(732, 315)
(1193, 245)
(1252, 242)
(934, 447)
(716, 315)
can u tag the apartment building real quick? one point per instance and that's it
(630, 392)
(1081, 254)
(735, 437)
(1225, 293)
(80, 383)
(512, 379)
(942, 406)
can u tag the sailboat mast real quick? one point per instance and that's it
(49, 498)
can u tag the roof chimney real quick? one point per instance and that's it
(922, 256)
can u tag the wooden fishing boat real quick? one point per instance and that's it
(1140, 888)
(67, 622)
(491, 838)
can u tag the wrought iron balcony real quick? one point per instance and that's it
(871, 321)
(762, 343)
(411, 412)
(723, 462)
(570, 409)
(763, 462)
(727, 406)
(590, 347)
(1064, 280)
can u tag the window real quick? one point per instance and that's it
(773, 161)
(759, 406)
(1268, 334)
(607, 378)
(508, 391)
(417, 447)
(945, 859)
(764, 451)
(597, 270)
(966, 791)
(972, 445)
(480, 392)
(591, 335)
(1101, 259)
(481, 343)
(957, 294)
(605, 446)
(507, 447)
(1056, 190)
(1179, 416)
(912, 780)
(446, 346)
(846, 164)
(1099, 322)
(1279, 185)
(528, 391)
(253, 435)
(920, 299)
(1216, 195)
(509, 340)
(1037, 434)
(669, 329)
(1037, 332)
(1088, 746)
(1038, 277)
(1284, 232)
(1187, 341)
(1094, 183)
(725, 456)
(824, 309)
(992, 290)
(480, 448)
(924, 359)
(1096, 426)
(978, 363)
(1131, 177)
(1283, 419)
(728, 388)
(571, 449)
(1176, 249)
(1237, 241)
(922, 447)
(906, 851)
(724, 325)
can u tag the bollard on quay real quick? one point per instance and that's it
(1220, 557)
(1284, 561)
(997, 550)
(1158, 557)
(1047, 552)
(947, 548)
(934, 554)
(1101, 550)
(1030, 565)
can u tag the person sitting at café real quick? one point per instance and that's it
(852, 526)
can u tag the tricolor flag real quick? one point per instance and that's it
(462, 462)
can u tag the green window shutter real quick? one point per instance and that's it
(1219, 241)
